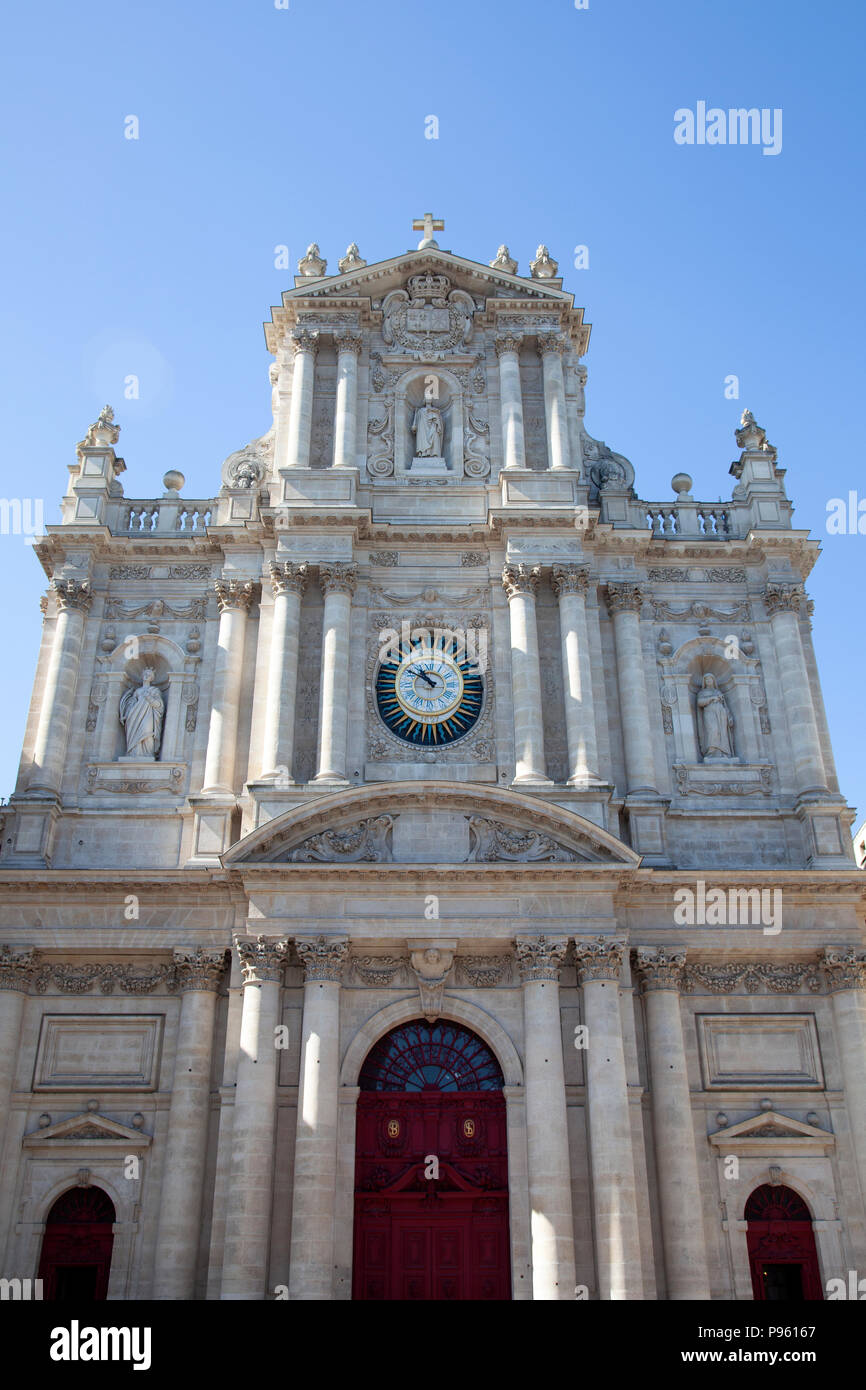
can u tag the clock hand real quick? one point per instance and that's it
(424, 677)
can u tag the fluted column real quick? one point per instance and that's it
(314, 1185)
(305, 346)
(234, 597)
(520, 583)
(338, 585)
(614, 1191)
(288, 581)
(683, 1239)
(551, 1220)
(17, 964)
(346, 415)
(552, 346)
(248, 1222)
(52, 734)
(571, 583)
(624, 602)
(783, 604)
(199, 972)
(511, 401)
(845, 972)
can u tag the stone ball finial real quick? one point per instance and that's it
(173, 480)
(766, 1104)
(681, 483)
(93, 1106)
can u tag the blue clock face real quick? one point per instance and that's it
(429, 697)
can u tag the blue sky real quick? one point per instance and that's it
(262, 126)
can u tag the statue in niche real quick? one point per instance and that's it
(715, 721)
(142, 710)
(429, 431)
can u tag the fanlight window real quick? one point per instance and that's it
(768, 1203)
(438, 1056)
(81, 1204)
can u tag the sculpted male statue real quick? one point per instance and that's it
(142, 710)
(715, 721)
(429, 431)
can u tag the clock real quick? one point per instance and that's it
(429, 696)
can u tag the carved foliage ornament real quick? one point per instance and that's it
(752, 977)
(659, 968)
(199, 968)
(845, 968)
(17, 964)
(289, 578)
(262, 958)
(520, 579)
(493, 842)
(624, 598)
(129, 978)
(539, 958)
(570, 579)
(598, 959)
(783, 598)
(72, 594)
(368, 842)
(235, 593)
(338, 578)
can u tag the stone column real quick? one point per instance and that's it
(520, 583)
(783, 604)
(234, 597)
(624, 602)
(614, 1193)
(17, 964)
(311, 1274)
(288, 581)
(683, 1239)
(199, 973)
(346, 414)
(571, 583)
(49, 751)
(338, 585)
(305, 345)
(551, 1221)
(552, 346)
(511, 401)
(845, 971)
(248, 1221)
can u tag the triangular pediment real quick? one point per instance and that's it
(440, 823)
(87, 1128)
(770, 1125)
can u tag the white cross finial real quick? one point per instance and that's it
(428, 224)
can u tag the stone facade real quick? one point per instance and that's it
(632, 877)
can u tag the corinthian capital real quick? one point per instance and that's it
(540, 957)
(340, 579)
(659, 968)
(348, 341)
(322, 956)
(17, 964)
(288, 577)
(520, 579)
(845, 968)
(262, 958)
(783, 598)
(598, 959)
(624, 598)
(304, 340)
(73, 594)
(570, 579)
(234, 593)
(199, 968)
(551, 342)
(507, 342)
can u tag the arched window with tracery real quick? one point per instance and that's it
(438, 1056)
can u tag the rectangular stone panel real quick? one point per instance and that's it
(105, 1052)
(745, 1051)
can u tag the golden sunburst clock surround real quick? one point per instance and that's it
(429, 696)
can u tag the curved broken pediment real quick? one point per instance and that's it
(430, 823)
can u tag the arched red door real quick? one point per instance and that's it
(76, 1247)
(783, 1257)
(431, 1169)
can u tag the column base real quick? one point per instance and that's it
(646, 820)
(35, 823)
(331, 779)
(213, 830)
(827, 832)
(536, 780)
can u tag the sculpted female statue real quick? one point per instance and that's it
(715, 721)
(429, 432)
(142, 710)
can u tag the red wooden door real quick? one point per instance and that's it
(76, 1249)
(431, 1174)
(783, 1258)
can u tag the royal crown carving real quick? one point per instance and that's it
(428, 319)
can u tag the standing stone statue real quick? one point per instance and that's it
(142, 710)
(429, 431)
(715, 721)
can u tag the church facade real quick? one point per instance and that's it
(427, 876)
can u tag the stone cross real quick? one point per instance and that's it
(428, 225)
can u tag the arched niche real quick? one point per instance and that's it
(682, 677)
(123, 670)
(443, 389)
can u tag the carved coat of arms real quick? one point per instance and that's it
(428, 318)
